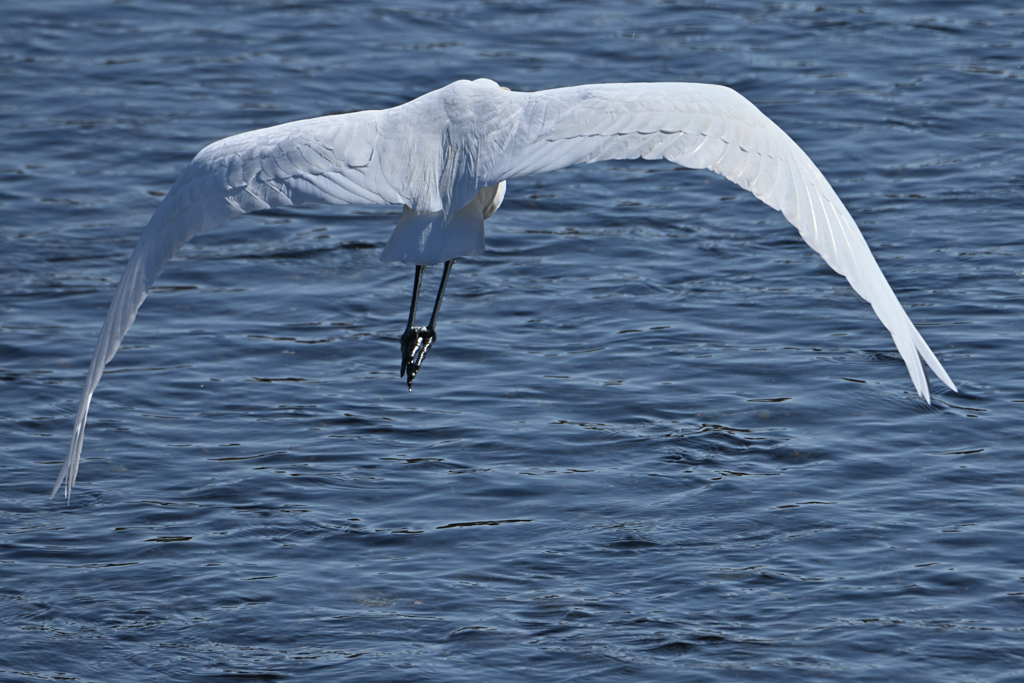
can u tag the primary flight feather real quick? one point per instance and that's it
(445, 157)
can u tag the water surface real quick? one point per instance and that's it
(658, 438)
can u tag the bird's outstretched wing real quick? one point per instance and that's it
(329, 160)
(436, 153)
(712, 127)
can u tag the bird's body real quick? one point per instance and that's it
(446, 156)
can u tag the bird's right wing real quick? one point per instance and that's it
(704, 126)
(329, 160)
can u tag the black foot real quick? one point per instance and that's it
(415, 343)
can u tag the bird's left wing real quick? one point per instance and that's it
(329, 160)
(701, 126)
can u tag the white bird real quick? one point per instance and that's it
(445, 157)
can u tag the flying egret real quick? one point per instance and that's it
(446, 156)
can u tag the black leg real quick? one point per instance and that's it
(440, 293)
(416, 341)
(415, 296)
(410, 339)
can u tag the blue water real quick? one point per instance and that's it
(657, 439)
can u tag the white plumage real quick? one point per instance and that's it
(446, 155)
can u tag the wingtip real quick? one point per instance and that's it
(931, 360)
(946, 379)
(69, 470)
(62, 480)
(56, 487)
(923, 390)
(921, 384)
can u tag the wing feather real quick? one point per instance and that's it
(295, 163)
(436, 153)
(711, 127)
